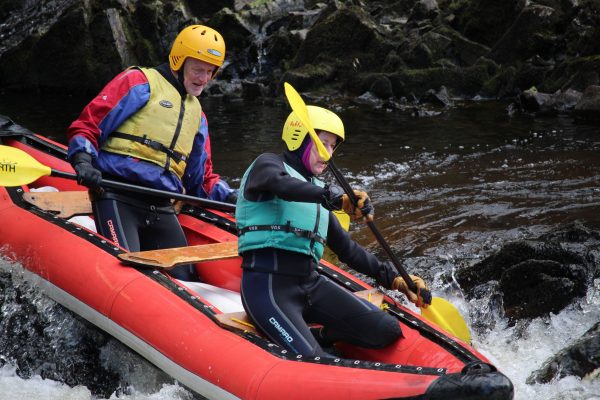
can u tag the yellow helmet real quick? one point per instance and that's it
(322, 119)
(199, 42)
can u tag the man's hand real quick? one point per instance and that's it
(87, 175)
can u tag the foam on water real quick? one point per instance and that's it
(12, 387)
(520, 350)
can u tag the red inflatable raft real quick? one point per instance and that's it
(196, 333)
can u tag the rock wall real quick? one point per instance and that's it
(394, 50)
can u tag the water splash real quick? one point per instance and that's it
(521, 349)
(47, 352)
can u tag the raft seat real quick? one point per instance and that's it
(240, 320)
(75, 203)
(63, 204)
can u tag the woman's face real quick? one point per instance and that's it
(317, 165)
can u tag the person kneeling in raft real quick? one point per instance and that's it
(285, 220)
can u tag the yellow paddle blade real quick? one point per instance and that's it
(299, 108)
(343, 218)
(18, 168)
(447, 317)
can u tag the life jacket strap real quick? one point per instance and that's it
(153, 144)
(285, 228)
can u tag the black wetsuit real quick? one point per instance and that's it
(140, 223)
(281, 290)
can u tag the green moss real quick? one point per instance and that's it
(259, 3)
(575, 74)
(463, 81)
(309, 76)
(502, 84)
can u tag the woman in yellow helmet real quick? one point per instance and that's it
(283, 215)
(147, 127)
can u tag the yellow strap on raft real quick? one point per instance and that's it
(239, 321)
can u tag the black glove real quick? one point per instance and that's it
(333, 198)
(87, 175)
(232, 197)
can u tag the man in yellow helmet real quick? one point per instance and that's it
(147, 127)
(283, 215)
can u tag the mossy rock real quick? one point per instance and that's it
(502, 84)
(533, 33)
(309, 76)
(578, 74)
(463, 81)
(464, 51)
(202, 9)
(345, 35)
(230, 25)
(485, 21)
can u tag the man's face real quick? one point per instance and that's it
(196, 75)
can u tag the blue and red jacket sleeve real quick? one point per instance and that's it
(199, 178)
(117, 101)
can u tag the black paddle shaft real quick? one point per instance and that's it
(215, 205)
(346, 186)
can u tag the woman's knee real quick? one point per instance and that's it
(386, 332)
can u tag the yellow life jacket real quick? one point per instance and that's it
(162, 132)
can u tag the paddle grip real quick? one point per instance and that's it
(215, 205)
(346, 186)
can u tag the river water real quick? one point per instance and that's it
(450, 188)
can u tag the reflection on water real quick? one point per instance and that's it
(454, 187)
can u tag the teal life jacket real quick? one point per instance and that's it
(281, 224)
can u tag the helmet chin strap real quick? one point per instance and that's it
(180, 79)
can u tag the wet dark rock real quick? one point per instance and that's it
(464, 51)
(201, 9)
(579, 359)
(529, 75)
(589, 104)
(577, 73)
(460, 81)
(252, 90)
(583, 36)
(502, 84)
(239, 35)
(369, 99)
(540, 276)
(537, 287)
(309, 76)
(382, 87)
(549, 104)
(439, 97)
(420, 56)
(424, 9)
(280, 47)
(342, 37)
(51, 342)
(574, 233)
(532, 33)
(485, 21)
